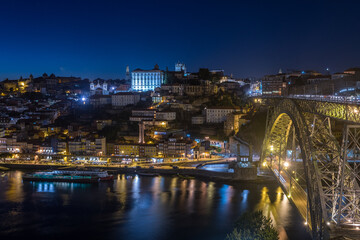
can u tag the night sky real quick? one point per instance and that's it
(247, 38)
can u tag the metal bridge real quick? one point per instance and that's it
(318, 172)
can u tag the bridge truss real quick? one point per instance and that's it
(325, 185)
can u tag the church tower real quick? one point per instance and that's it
(180, 67)
(127, 77)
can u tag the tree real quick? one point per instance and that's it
(253, 226)
(240, 235)
(254, 131)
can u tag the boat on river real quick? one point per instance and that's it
(147, 174)
(69, 176)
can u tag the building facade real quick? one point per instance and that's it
(233, 122)
(146, 80)
(99, 87)
(131, 150)
(174, 148)
(168, 116)
(124, 98)
(180, 67)
(274, 85)
(218, 114)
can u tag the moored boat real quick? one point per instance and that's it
(69, 176)
(147, 174)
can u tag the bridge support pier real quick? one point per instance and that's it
(346, 207)
(325, 185)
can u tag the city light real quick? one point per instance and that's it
(290, 127)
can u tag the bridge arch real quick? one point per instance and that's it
(319, 152)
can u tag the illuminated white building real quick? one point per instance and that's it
(180, 67)
(146, 80)
(99, 87)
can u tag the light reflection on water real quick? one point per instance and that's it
(138, 208)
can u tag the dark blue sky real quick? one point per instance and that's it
(247, 38)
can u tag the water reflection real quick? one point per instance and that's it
(49, 187)
(244, 200)
(44, 187)
(136, 207)
(278, 210)
(14, 191)
(224, 204)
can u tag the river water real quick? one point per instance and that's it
(138, 208)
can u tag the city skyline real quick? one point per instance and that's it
(179, 119)
(246, 39)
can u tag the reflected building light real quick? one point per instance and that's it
(244, 195)
(44, 187)
(51, 189)
(210, 193)
(156, 185)
(136, 187)
(191, 195)
(244, 202)
(173, 187)
(279, 194)
(264, 203)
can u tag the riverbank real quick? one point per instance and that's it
(192, 172)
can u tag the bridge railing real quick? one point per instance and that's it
(328, 98)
